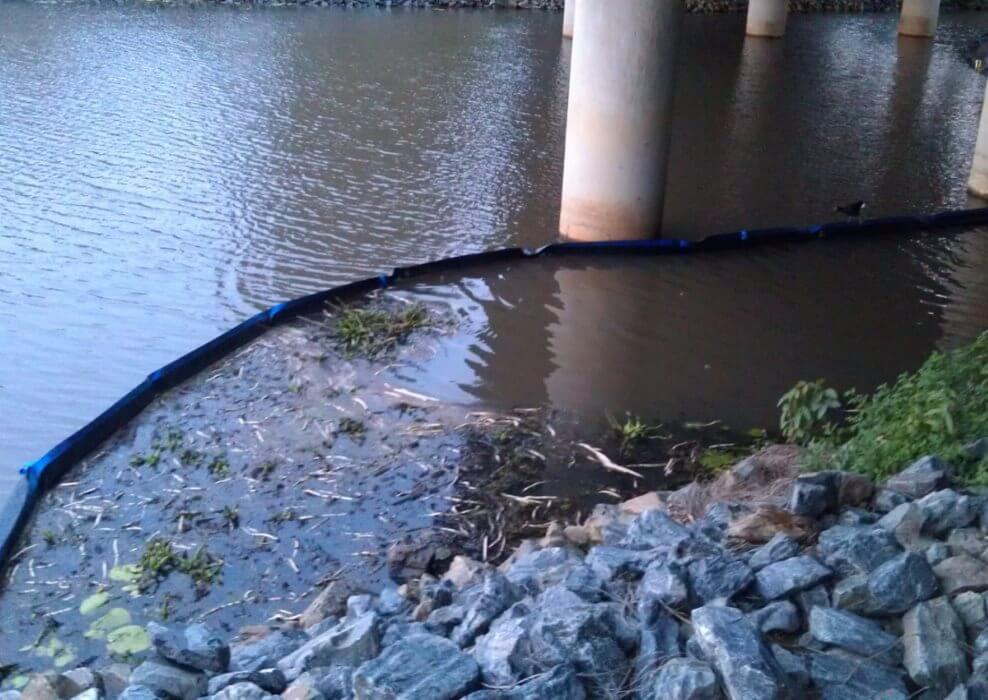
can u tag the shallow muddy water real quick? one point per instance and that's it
(166, 172)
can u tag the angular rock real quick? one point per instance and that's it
(789, 576)
(617, 562)
(900, 583)
(114, 678)
(795, 669)
(734, 647)
(167, 680)
(419, 667)
(886, 501)
(39, 687)
(967, 540)
(842, 675)
(444, 620)
(854, 489)
(662, 588)
(922, 477)
(334, 683)
(855, 634)
(780, 616)
(502, 650)
(653, 529)
(137, 692)
(89, 694)
(270, 679)
(906, 523)
(16, 695)
(566, 630)
(464, 571)
(197, 646)
(684, 679)
(584, 582)
(933, 638)
(561, 683)
(811, 598)
(496, 595)
(657, 644)
(776, 549)
(357, 605)
(78, 680)
(413, 556)
(721, 575)
(606, 524)
(970, 607)
(981, 644)
(812, 495)
(267, 651)
(390, 603)
(850, 549)
(962, 573)
(331, 602)
(398, 630)
(856, 516)
(947, 510)
(350, 643)
(937, 553)
(851, 593)
(242, 691)
(544, 567)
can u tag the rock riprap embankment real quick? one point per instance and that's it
(835, 589)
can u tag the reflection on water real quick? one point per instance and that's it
(672, 339)
(164, 173)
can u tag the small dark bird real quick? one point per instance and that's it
(853, 209)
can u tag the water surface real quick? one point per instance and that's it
(166, 172)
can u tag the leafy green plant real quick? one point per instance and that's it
(632, 430)
(937, 410)
(807, 412)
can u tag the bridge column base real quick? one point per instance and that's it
(919, 18)
(767, 18)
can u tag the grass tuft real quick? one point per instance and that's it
(370, 333)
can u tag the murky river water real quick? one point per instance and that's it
(165, 173)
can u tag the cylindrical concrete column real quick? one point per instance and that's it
(977, 184)
(767, 18)
(919, 17)
(569, 14)
(619, 118)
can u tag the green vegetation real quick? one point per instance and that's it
(938, 410)
(218, 467)
(807, 412)
(159, 559)
(231, 514)
(632, 431)
(370, 333)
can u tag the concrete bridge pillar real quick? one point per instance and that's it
(619, 118)
(977, 183)
(767, 18)
(569, 13)
(919, 17)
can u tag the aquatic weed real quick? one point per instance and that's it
(632, 430)
(218, 467)
(368, 332)
(352, 427)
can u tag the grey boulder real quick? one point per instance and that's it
(933, 637)
(900, 583)
(196, 646)
(684, 679)
(349, 643)
(653, 529)
(922, 477)
(856, 549)
(270, 679)
(776, 549)
(947, 510)
(856, 634)
(419, 667)
(166, 680)
(734, 647)
(267, 651)
(720, 575)
(789, 576)
(242, 691)
(845, 676)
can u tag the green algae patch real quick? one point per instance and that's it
(94, 602)
(114, 619)
(127, 573)
(130, 639)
